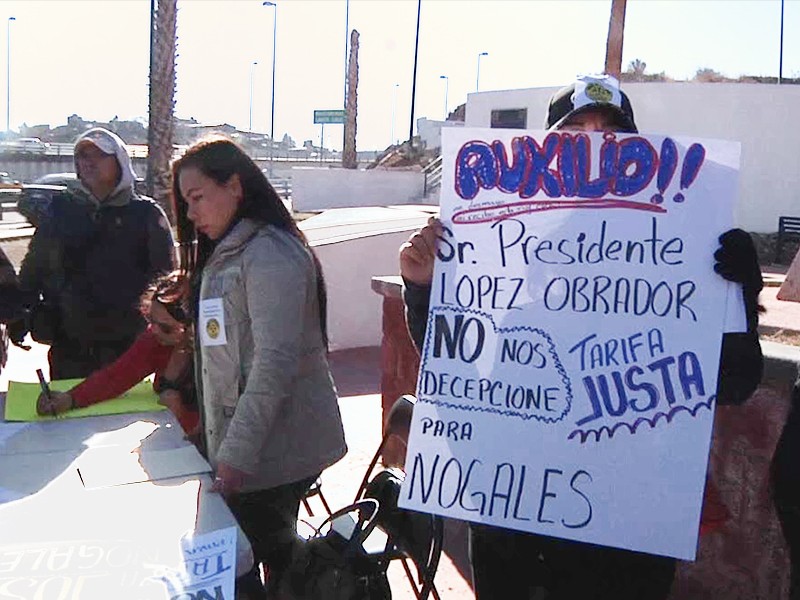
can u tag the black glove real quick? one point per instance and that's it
(17, 330)
(737, 260)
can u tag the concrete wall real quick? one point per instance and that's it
(763, 117)
(353, 246)
(319, 189)
(29, 168)
(430, 132)
(354, 310)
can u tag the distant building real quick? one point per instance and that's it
(430, 132)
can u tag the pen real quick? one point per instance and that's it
(45, 389)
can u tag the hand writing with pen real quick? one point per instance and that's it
(54, 403)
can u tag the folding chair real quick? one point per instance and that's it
(316, 490)
(411, 536)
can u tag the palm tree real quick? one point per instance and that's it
(163, 22)
(349, 155)
(637, 67)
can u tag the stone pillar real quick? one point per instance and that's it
(790, 290)
(399, 358)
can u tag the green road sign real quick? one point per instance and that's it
(324, 117)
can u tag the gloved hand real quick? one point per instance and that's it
(737, 260)
(17, 330)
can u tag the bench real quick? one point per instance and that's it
(788, 230)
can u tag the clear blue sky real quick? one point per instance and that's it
(91, 57)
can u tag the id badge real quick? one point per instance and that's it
(212, 322)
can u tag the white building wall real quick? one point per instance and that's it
(430, 132)
(320, 189)
(354, 246)
(764, 118)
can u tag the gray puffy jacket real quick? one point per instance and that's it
(269, 404)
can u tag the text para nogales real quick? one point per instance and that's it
(502, 491)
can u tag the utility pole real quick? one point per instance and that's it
(780, 52)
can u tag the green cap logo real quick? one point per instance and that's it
(598, 93)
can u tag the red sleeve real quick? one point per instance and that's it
(144, 357)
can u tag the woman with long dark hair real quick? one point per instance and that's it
(270, 413)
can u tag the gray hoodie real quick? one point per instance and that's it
(110, 143)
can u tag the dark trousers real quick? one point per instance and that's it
(510, 564)
(269, 520)
(786, 488)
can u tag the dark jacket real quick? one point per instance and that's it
(12, 300)
(91, 262)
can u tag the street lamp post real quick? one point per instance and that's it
(446, 89)
(272, 109)
(780, 51)
(414, 76)
(346, 47)
(252, 67)
(394, 110)
(478, 77)
(8, 73)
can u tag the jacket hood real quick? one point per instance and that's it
(110, 143)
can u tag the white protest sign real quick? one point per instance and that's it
(209, 568)
(568, 375)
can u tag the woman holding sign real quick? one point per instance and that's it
(271, 417)
(509, 564)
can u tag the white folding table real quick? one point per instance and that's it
(96, 507)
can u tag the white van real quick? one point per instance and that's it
(26, 145)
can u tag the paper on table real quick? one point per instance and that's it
(7, 495)
(8, 430)
(21, 401)
(104, 467)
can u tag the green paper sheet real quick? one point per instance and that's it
(21, 401)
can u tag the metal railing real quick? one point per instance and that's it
(433, 176)
(282, 185)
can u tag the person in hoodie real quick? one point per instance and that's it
(95, 250)
(271, 421)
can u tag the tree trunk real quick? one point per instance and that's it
(349, 157)
(163, 22)
(616, 33)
